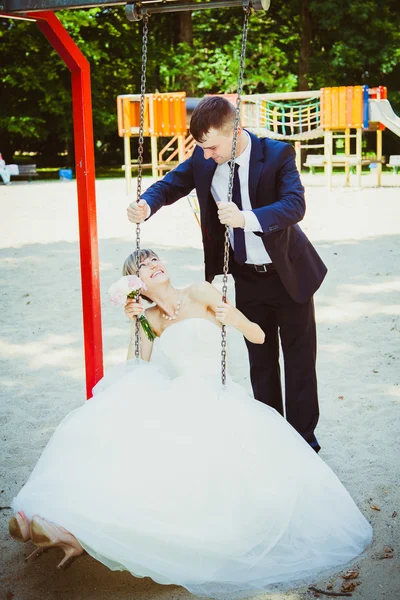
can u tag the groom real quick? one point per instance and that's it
(275, 267)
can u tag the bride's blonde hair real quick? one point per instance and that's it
(129, 267)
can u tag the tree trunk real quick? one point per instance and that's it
(185, 28)
(305, 43)
(7, 150)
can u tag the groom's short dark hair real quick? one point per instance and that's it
(212, 112)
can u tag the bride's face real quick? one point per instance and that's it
(153, 272)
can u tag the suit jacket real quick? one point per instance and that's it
(277, 199)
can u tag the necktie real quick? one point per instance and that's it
(238, 233)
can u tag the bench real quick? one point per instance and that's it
(135, 165)
(320, 160)
(28, 171)
(315, 160)
(394, 163)
(338, 160)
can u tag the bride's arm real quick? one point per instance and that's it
(226, 313)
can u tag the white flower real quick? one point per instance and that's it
(119, 290)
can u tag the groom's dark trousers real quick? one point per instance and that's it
(262, 297)
(279, 296)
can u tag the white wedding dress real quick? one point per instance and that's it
(165, 474)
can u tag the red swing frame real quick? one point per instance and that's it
(73, 58)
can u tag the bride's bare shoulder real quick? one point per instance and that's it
(198, 290)
(205, 293)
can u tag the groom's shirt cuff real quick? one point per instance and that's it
(251, 223)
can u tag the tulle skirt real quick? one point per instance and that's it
(179, 480)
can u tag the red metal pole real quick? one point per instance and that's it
(69, 52)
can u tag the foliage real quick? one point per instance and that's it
(351, 43)
(354, 42)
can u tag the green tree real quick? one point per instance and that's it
(354, 42)
(211, 64)
(298, 44)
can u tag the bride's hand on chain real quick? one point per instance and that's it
(133, 308)
(226, 314)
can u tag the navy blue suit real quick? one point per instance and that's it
(279, 301)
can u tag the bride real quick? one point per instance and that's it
(169, 475)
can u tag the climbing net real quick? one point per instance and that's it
(289, 120)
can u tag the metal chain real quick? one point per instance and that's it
(140, 158)
(247, 10)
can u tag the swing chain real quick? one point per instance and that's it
(140, 159)
(247, 10)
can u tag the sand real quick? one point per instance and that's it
(357, 233)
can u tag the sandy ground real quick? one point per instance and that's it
(357, 233)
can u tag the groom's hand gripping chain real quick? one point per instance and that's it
(230, 214)
(138, 211)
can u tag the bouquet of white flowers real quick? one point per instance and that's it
(130, 286)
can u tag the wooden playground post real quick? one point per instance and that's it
(328, 143)
(154, 157)
(275, 119)
(379, 156)
(297, 148)
(181, 148)
(126, 128)
(127, 162)
(347, 154)
(153, 130)
(359, 154)
(291, 120)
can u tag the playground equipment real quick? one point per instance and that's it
(164, 116)
(343, 109)
(329, 113)
(288, 116)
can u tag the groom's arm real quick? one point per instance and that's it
(176, 184)
(290, 207)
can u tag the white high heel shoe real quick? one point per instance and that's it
(19, 527)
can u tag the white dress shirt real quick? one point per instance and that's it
(255, 249)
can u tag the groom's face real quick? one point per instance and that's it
(217, 145)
